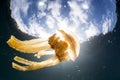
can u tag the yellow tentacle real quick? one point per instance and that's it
(35, 65)
(30, 46)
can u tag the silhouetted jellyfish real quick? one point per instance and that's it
(65, 44)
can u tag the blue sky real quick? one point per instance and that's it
(86, 18)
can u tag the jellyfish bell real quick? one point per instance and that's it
(65, 44)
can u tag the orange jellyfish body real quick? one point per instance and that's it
(64, 43)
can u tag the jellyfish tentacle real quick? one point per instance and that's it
(37, 65)
(18, 67)
(29, 42)
(23, 47)
(22, 60)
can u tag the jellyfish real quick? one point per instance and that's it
(64, 44)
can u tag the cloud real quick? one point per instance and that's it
(54, 7)
(41, 8)
(50, 16)
(91, 31)
(50, 21)
(17, 6)
(106, 24)
(85, 5)
(76, 13)
(36, 29)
